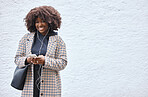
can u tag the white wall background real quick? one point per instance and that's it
(107, 45)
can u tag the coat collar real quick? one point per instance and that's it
(52, 40)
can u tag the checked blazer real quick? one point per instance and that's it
(55, 60)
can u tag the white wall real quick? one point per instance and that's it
(107, 46)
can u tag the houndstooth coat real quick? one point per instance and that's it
(55, 60)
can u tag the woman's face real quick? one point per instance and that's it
(41, 26)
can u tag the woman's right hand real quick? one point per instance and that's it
(29, 59)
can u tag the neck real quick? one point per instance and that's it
(44, 33)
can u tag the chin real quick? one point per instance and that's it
(42, 31)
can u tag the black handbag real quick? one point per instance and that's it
(19, 77)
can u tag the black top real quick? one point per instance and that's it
(37, 44)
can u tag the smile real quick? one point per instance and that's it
(41, 28)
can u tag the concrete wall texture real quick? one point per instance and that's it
(107, 46)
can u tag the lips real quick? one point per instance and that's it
(41, 28)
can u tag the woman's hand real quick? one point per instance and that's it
(38, 60)
(29, 59)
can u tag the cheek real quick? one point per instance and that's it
(46, 26)
(36, 26)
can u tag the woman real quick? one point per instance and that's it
(43, 79)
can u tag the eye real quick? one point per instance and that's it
(43, 21)
(36, 21)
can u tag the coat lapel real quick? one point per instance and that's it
(30, 39)
(51, 46)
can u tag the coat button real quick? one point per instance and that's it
(41, 94)
(42, 81)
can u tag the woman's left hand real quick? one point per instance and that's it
(39, 60)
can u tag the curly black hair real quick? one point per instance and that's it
(47, 13)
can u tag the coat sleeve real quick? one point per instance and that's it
(60, 61)
(20, 56)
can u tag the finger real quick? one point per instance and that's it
(38, 62)
(40, 55)
(38, 58)
(34, 61)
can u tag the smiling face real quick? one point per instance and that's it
(41, 26)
